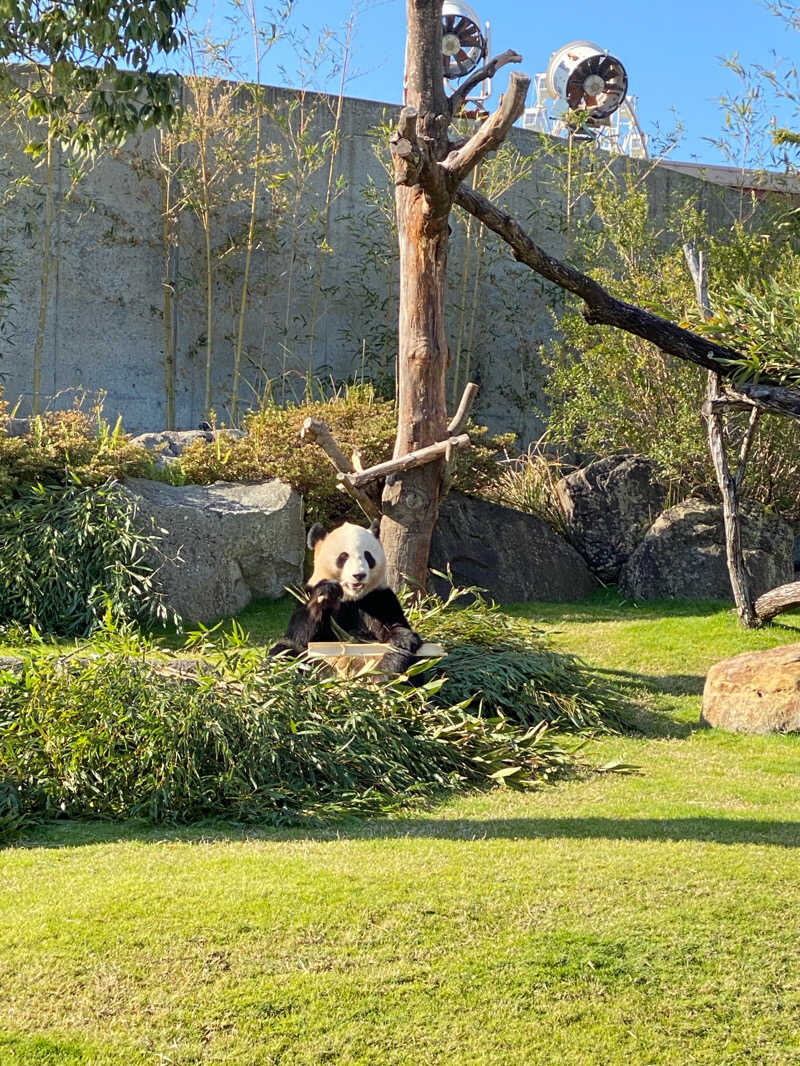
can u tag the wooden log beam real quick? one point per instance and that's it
(601, 307)
(405, 462)
(779, 599)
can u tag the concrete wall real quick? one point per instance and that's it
(105, 314)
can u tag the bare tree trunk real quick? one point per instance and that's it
(411, 499)
(428, 170)
(728, 484)
(729, 490)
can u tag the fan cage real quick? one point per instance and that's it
(461, 22)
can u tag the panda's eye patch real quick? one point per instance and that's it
(341, 560)
(370, 560)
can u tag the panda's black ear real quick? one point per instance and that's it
(316, 534)
(375, 528)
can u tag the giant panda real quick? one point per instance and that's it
(348, 586)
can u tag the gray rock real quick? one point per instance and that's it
(609, 505)
(223, 544)
(169, 444)
(12, 664)
(683, 554)
(514, 556)
(17, 427)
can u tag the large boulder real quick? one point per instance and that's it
(757, 692)
(683, 554)
(514, 556)
(223, 544)
(609, 506)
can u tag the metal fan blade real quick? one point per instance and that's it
(449, 20)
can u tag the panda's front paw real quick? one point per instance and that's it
(405, 639)
(325, 597)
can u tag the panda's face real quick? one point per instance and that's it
(351, 555)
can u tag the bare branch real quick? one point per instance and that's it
(314, 430)
(604, 309)
(318, 432)
(492, 132)
(696, 262)
(407, 124)
(461, 417)
(488, 70)
(776, 399)
(746, 445)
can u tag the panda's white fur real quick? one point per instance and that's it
(351, 555)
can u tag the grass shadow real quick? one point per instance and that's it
(716, 830)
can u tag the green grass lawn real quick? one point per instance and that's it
(640, 919)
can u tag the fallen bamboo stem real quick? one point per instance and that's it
(404, 462)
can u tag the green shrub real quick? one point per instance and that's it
(761, 320)
(272, 448)
(358, 419)
(610, 391)
(72, 557)
(64, 445)
(528, 483)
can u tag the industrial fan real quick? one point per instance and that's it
(587, 79)
(583, 94)
(463, 42)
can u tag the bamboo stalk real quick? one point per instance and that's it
(166, 236)
(41, 325)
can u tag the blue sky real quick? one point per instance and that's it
(672, 52)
